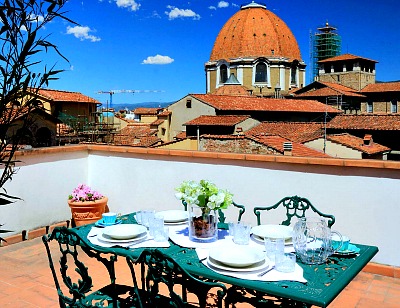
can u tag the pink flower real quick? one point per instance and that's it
(84, 193)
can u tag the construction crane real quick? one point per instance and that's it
(111, 92)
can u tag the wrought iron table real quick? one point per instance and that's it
(324, 282)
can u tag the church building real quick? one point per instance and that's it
(260, 50)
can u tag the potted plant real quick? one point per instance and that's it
(87, 205)
(204, 199)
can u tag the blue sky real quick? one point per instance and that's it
(162, 45)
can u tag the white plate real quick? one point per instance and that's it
(105, 238)
(272, 231)
(174, 215)
(263, 264)
(260, 240)
(237, 256)
(124, 232)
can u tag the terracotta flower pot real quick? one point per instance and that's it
(87, 212)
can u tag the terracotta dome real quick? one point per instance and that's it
(255, 32)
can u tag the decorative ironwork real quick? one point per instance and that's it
(160, 269)
(80, 284)
(295, 207)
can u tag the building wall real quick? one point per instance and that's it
(245, 146)
(334, 149)
(362, 194)
(355, 79)
(181, 114)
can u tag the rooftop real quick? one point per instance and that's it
(134, 179)
(345, 57)
(26, 280)
(251, 103)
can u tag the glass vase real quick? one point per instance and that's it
(203, 224)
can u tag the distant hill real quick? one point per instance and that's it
(140, 105)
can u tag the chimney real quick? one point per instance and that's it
(287, 148)
(367, 139)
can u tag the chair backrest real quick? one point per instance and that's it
(295, 207)
(221, 215)
(164, 283)
(72, 252)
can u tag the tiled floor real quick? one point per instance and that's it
(26, 281)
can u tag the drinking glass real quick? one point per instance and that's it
(285, 262)
(274, 247)
(241, 233)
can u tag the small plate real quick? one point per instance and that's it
(351, 250)
(260, 240)
(171, 216)
(100, 223)
(263, 264)
(107, 239)
(125, 232)
(237, 256)
(273, 231)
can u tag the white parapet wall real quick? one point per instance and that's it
(363, 195)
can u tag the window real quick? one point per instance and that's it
(189, 103)
(223, 73)
(370, 107)
(293, 75)
(393, 107)
(261, 72)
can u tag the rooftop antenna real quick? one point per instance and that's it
(112, 92)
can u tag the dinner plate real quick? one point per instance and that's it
(106, 238)
(273, 231)
(263, 264)
(124, 232)
(237, 256)
(260, 240)
(100, 223)
(171, 216)
(351, 250)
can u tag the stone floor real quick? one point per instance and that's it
(26, 281)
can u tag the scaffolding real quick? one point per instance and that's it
(326, 43)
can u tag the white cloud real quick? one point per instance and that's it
(158, 59)
(235, 5)
(212, 7)
(129, 4)
(82, 33)
(223, 4)
(181, 13)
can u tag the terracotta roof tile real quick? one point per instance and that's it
(255, 32)
(357, 143)
(382, 87)
(330, 89)
(345, 57)
(293, 131)
(231, 89)
(297, 149)
(158, 122)
(366, 121)
(228, 120)
(251, 103)
(147, 111)
(65, 96)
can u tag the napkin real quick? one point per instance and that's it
(273, 275)
(148, 242)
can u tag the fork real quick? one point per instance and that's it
(266, 271)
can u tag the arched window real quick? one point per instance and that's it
(223, 73)
(261, 72)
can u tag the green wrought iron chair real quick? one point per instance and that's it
(221, 216)
(74, 274)
(164, 283)
(295, 206)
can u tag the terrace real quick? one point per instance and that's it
(362, 194)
